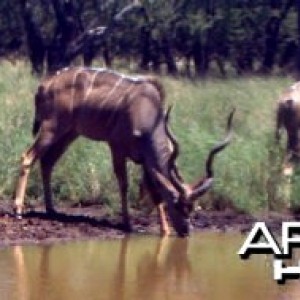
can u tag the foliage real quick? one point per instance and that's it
(176, 35)
(247, 172)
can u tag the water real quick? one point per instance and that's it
(203, 267)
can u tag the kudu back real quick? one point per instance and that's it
(128, 114)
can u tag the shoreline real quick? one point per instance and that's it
(80, 223)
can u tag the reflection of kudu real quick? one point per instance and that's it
(166, 270)
(154, 273)
(21, 272)
(32, 287)
(128, 114)
(288, 116)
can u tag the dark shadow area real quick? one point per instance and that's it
(70, 219)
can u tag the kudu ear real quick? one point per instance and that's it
(201, 189)
(168, 191)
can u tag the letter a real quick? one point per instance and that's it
(252, 245)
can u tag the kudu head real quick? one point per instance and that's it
(181, 196)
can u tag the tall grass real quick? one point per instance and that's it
(246, 172)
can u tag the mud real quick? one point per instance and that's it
(93, 222)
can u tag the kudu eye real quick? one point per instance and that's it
(184, 208)
(189, 207)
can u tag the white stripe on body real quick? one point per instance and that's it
(121, 98)
(90, 88)
(128, 77)
(73, 85)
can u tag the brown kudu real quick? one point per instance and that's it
(128, 114)
(288, 117)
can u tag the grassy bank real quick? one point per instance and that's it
(246, 173)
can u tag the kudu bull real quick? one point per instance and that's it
(128, 114)
(288, 116)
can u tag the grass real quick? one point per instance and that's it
(246, 172)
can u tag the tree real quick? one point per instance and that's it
(272, 30)
(247, 35)
(35, 42)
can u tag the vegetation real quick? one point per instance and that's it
(247, 172)
(176, 36)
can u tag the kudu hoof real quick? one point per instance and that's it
(127, 228)
(18, 216)
(164, 232)
(51, 213)
(18, 211)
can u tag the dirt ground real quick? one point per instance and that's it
(92, 222)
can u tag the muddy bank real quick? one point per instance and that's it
(92, 221)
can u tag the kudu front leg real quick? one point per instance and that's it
(163, 220)
(119, 165)
(156, 198)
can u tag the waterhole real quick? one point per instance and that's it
(204, 266)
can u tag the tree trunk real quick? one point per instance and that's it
(272, 32)
(200, 57)
(170, 60)
(145, 48)
(271, 43)
(35, 42)
(67, 28)
(298, 52)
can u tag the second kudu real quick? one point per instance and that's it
(128, 114)
(288, 117)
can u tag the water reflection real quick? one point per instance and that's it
(203, 267)
(169, 268)
(144, 269)
(28, 287)
(21, 273)
(118, 286)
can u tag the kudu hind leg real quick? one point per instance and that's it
(40, 145)
(48, 161)
(119, 164)
(27, 161)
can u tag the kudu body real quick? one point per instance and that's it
(288, 117)
(128, 114)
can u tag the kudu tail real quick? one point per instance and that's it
(36, 122)
(35, 127)
(219, 147)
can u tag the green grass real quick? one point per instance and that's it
(246, 172)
